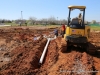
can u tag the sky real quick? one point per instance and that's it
(11, 9)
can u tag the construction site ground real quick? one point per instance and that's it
(22, 47)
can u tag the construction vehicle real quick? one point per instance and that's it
(77, 32)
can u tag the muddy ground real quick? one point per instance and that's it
(20, 52)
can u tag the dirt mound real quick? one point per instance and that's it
(24, 58)
(24, 48)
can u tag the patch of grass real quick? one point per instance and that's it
(33, 26)
(47, 26)
(52, 26)
(95, 27)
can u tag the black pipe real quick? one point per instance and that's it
(83, 17)
(69, 16)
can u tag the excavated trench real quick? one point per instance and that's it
(73, 63)
(24, 53)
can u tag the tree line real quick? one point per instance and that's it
(44, 21)
(35, 21)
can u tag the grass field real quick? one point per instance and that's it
(93, 27)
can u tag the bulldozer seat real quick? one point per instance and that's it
(76, 21)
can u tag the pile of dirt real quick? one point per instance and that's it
(94, 39)
(24, 58)
(23, 48)
(18, 47)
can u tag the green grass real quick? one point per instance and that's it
(95, 27)
(40, 26)
(52, 26)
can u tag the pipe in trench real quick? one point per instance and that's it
(44, 52)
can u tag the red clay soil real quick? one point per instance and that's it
(23, 52)
(26, 54)
(72, 63)
(95, 40)
(24, 59)
(58, 63)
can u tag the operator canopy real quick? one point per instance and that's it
(77, 7)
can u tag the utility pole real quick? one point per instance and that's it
(21, 17)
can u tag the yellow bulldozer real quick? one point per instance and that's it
(77, 32)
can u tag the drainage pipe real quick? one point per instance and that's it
(44, 52)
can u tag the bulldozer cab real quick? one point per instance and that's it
(77, 22)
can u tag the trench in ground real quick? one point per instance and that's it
(74, 62)
(56, 63)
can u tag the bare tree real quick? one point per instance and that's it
(63, 21)
(17, 21)
(44, 21)
(32, 20)
(52, 20)
(93, 22)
